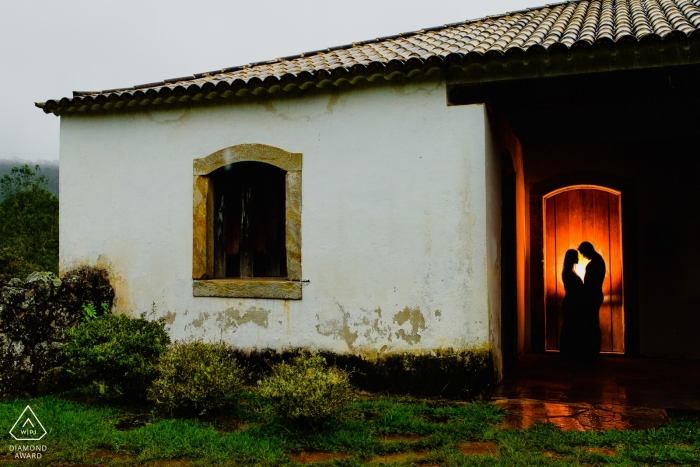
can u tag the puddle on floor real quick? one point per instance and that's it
(523, 413)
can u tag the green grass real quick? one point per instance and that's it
(79, 430)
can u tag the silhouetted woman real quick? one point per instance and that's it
(573, 308)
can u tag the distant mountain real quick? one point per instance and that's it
(49, 169)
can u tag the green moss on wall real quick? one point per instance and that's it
(454, 373)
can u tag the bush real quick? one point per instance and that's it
(307, 391)
(116, 354)
(197, 376)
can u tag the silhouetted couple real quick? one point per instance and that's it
(580, 331)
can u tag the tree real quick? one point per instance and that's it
(28, 224)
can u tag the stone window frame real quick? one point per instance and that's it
(203, 284)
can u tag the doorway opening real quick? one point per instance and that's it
(571, 216)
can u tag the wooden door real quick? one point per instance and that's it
(572, 216)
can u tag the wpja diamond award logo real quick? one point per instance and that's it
(28, 427)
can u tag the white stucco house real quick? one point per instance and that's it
(385, 197)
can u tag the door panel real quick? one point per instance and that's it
(573, 216)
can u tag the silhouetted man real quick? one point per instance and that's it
(593, 296)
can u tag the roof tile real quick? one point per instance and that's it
(561, 25)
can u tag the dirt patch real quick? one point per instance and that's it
(398, 457)
(604, 451)
(400, 437)
(553, 455)
(478, 448)
(309, 457)
(109, 455)
(170, 463)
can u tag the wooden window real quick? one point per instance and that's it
(249, 238)
(247, 223)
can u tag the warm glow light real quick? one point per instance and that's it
(571, 215)
(580, 267)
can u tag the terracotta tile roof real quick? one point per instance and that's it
(560, 26)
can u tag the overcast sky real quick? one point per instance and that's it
(49, 48)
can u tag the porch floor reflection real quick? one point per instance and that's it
(631, 382)
(523, 413)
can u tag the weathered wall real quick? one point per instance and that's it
(663, 174)
(394, 217)
(492, 171)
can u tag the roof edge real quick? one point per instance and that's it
(214, 73)
(535, 62)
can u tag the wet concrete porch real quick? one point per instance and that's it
(638, 382)
(611, 393)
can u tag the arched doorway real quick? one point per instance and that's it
(572, 215)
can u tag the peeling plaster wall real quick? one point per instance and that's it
(394, 217)
(493, 176)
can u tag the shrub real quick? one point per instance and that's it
(307, 391)
(116, 354)
(197, 376)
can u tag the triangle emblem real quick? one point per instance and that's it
(28, 427)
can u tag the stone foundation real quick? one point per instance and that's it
(35, 315)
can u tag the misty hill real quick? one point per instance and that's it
(49, 169)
